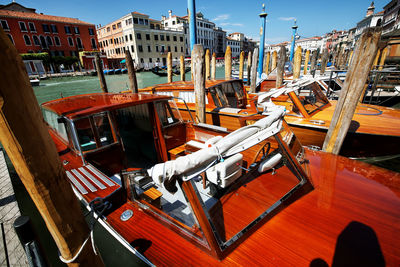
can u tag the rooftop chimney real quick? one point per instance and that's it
(170, 13)
(370, 10)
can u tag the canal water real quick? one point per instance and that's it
(113, 253)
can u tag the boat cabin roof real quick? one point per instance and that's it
(81, 105)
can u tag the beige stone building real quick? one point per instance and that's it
(145, 38)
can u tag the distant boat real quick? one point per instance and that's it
(118, 71)
(35, 82)
(109, 72)
(124, 71)
(159, 71)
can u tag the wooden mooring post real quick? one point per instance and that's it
(213, 66)
(383, 58)
(297, 63)
(266, 63)
(131, 72)
(274, 60)
(306, 60)
(324, 61)
(228, 63)
(314, 58)
(241, 65)
(207, 61)
(199, 82)
(280, 67)
(182, 68)
(248, 67)
(169, 67)
(100, 73)
(353, 86)
(27, 142)
(254, 71)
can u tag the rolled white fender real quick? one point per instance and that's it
(269, 163)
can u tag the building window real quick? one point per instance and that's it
(156, 48)
(126, 38)
(140, 48)
(148, 48)
(175, 39)
(182, 49)
(135, 20)
(162, 49)
(176, 49)
(150, 60)
(141, 21)
(11, 39)
(119, 25)
(79, 43)
(141, 60)
(49, 40)
(181, 39)
(36, 40)
(70, 41)
(4, 25)
(108, 29)
(31, 26)
(114, 27)
(156, 37)
(67, 29)
(139, 36)
(43, 42)
(57, 41)
(167, 38)
(93, 41)
(76, 30)
(162, 37)
(91, 31)
(173, 23)
(54, 28)
(132, 49)
(130, 36)
(147, 36)
(27, 40)
(152, 26)
(169, 49)
(46, 28)
(22, 26)
(166, 24)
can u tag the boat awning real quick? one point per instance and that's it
(122, 61)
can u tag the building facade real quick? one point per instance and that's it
(145, 38)
(391, 17)
(371, 20)
(235, 46)
(31, 32)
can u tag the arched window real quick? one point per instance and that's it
(49, 40)
(57, 41)
(79, 43)
(27, 40)
(43, 42)
(36, 40)
(70, 41)
(11, 39)
(379, 22)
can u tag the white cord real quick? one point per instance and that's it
(80, 250)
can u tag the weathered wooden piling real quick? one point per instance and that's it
(169, 67)
(280, 67)
(248, 67)
(314, 58)
(307, 58)
(228, 63)
(199, 82)
(213, 66)
(100, 73)
(353, 86)
(241, 65)
(254, 71)
(383, 58)
(350, 57)
(266, 63)
(27, 142)
(274, 60)
(207, 61)
(376, 58)
(297, 63)
(324, 61)
(182, 68)
(131, 72)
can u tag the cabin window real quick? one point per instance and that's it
(136, 131)
(167, 113)
(51, 119)
(94, 132)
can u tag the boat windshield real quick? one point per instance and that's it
(227, 94)
(311, 97)
(273, 172)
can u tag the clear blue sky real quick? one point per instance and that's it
(314, 17)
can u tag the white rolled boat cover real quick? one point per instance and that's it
(193, 164)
